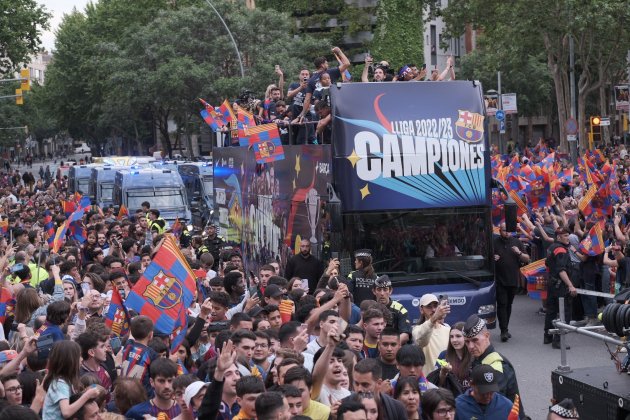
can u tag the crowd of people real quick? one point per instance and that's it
(288, 343)
(303, 114)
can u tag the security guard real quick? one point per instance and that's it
(198, 246)
(382, 289)
(156, 224)
(477, 338)
(559, 285)
(214, 243)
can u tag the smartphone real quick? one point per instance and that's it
(334, 255)
(121, 292)
(304, 284)
(443, 299)
(424, 66)
(333, 283)
(116, 344)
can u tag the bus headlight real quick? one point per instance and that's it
(486, 309)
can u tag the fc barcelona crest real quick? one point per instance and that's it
(164, 292)
(469, 126)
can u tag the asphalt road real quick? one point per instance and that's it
(534, 361)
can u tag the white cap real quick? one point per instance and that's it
(428, 299)
(192, 390)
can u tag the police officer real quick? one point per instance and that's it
(214, 244)
(559, 284)
(382, 289)
(198, 246)
(156, 223)
(477, 338)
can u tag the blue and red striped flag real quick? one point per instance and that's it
(4, 226)
(167, 284)
(49, 226)
(177, 228)
(68, 207)
(214, 119)
(245, 119)
(75, 225)
(227, 112)
(596, 203)
(180, 330)
(117, 318)
(593, 244)
(6, 301)
(60, 237)
(536, 275)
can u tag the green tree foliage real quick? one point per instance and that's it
(130, 86)
(598, 28)
(21, 23)
(398, 36)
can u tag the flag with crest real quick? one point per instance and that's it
(593, 244)
(117, 318)
(536, 274)
(167, 284)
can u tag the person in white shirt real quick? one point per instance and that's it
(432, 334)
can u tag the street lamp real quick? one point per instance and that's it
(238, 53)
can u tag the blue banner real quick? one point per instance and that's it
(410, 145)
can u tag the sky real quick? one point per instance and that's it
(58, 8)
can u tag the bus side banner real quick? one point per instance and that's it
(265, 210)
(410, 145)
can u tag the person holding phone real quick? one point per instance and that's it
(432, 334)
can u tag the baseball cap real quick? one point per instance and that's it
(382, 281)
(69, 279)
(192, 390)
(485, 378)
(255, 311)
(428, 299)
(273, 291)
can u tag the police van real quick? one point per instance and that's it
(102, 184)
(79, 178)
(197, 177)
(162, 188)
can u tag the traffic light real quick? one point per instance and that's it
(25, 75)
(596, 128)
(19, 98)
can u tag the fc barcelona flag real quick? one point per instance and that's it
(536, 275)
(227, 112)
(117, 318)
(245, 119)
(123, 212)
(180, 330)
(167, 285)
(60, 237)
(214, 119)
(267, 151)
(248, 136)
(539, 195)
(4, 226)
(596, 202)
(49, 226)
(68, 207)
(6, 299)
(593, 244)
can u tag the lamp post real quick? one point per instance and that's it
(238, 53)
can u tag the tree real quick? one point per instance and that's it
(598, 28)
(21, 23)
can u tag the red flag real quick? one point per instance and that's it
(123, 212)
(515, 409)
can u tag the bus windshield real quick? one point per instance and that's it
(407, 244)
(160, 198)
(83, 185)
(106, 191)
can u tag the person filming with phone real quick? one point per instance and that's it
(431, 333)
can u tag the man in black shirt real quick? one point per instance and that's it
(388, 346)
(305, 266)
(508, 256)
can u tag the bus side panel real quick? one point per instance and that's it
(271, 207)
(465, 300)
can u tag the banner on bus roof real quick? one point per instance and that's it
(409, 145)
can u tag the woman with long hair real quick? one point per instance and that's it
(62, 380)
(458, 356)
(407, 391)
(361, 280)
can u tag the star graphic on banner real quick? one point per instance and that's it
(364, 191)
(297, 166)
(354, 158)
